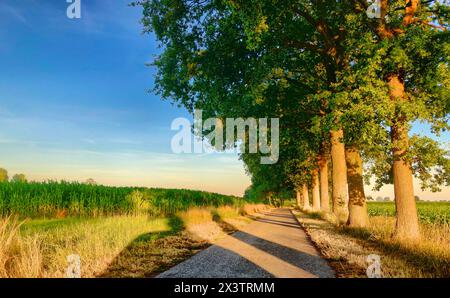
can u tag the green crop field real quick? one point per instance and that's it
(50, 199)
(429, 212)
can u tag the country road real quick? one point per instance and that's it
(274, 245)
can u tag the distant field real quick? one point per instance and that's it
(63, 199)
(429, 212)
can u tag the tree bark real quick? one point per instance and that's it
(324, 196)
(299, 198)
(339, 176)
(315, 190)
(407, 223)
(357, 207)
(306, 205)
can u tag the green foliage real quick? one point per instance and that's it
(430, 163)
(315, 65)
(50, 199)
(19, 178)
(429, 212)
(3, 175)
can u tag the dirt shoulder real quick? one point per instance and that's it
(347, 250)
(274, 245)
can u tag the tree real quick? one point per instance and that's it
(409, 59)
(90, 181)
(3, 175)
(358, 216)
(19, 178)
(311, 35)
(221, 57)
(323, 68)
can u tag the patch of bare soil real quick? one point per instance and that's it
(148, 257)
(152, 254)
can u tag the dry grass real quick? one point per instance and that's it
(202, 227)
(212, 224)
(200, 224)
(347, 249)
(41, 250)
(133, 246)
(147, 257)
(19, 256)
(196, 216)
(254, 209)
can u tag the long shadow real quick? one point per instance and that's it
(276, 215)
(315, 265)
(224, 263)
(158, 252)
(279, 223)
(225, 226)
(152, 253)
(216, 262)
(294, 224)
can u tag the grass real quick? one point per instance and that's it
(121, 245)
(72, 199)
(45, 245)
(429, 212)
(347, 248)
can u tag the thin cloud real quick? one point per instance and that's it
(8, 10)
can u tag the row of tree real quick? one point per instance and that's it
(345, 86)
(16, 178)
(23, 179)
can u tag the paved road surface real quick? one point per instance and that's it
(272, 246)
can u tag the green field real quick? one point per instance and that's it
(429, 212)
(61, 199)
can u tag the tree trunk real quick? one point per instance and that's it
(324, 197)
(269, 196)
(299, 198)
(306, 205)
(407, 223)
(339, 176)
(357, 207)
(315, 190)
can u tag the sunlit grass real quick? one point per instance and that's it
(39, 247)
(72, 199)
(46, 243)
(429, 212)
(349, 247)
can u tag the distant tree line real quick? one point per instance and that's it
(23, 179)
(16, 178)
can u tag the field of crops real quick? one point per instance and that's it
(429, 212)
(60, 199)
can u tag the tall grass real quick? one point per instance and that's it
(61, 199)
(19, 256)
(39, 247)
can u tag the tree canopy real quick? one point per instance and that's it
(344, 86)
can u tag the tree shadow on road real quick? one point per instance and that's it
(152, 253)
(313, 264)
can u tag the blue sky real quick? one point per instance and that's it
(74, 102)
